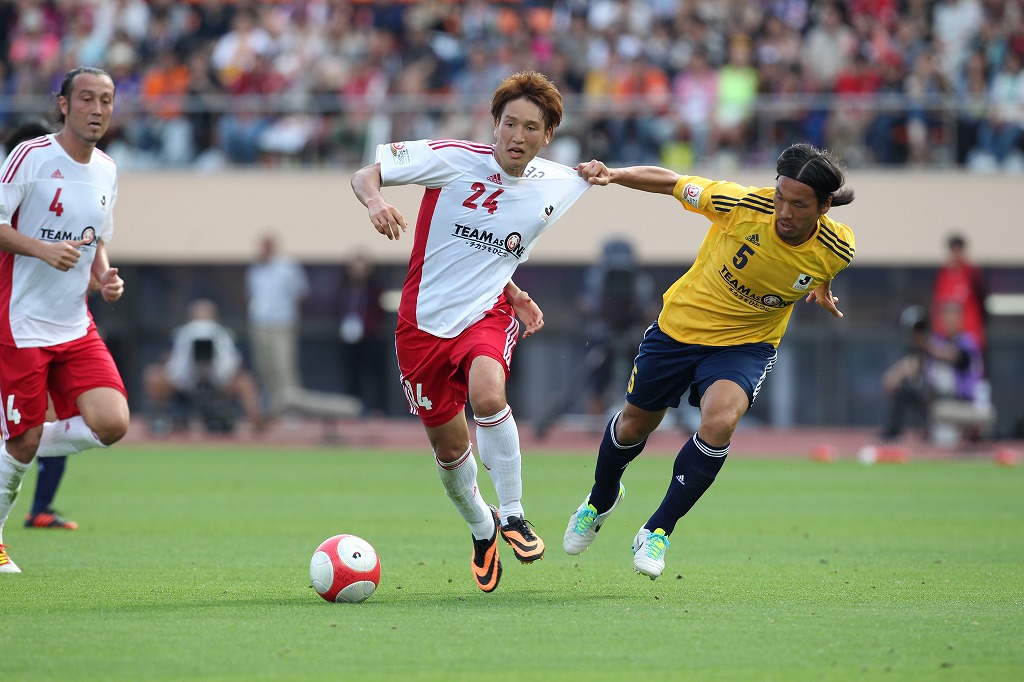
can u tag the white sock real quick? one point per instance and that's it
(497, 437)
(11, 473)
(67, 437)
(459, 479)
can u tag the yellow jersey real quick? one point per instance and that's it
(745, 280)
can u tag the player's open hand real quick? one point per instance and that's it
(111, 285)
(594, 172)
(529, 312)
(62, 255)
(822, 295)
(387, 219)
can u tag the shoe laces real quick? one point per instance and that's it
(585, 519)
(655, 545)
(522, 526)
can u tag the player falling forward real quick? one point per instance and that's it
(57, 196)
(483, 210)
(719, 327)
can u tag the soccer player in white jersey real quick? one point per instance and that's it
(483, 210)
(57, 195)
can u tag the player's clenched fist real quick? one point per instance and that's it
(594, 172)
(111, 285)
(62, 255)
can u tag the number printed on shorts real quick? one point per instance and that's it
(416, 397)
(12, 416)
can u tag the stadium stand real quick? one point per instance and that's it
(222, 82)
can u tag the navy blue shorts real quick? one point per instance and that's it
(665, 369)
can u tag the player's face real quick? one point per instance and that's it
(796, 210)
(88, 109)
(519, 136)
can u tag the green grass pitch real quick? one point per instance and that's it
(192, 563)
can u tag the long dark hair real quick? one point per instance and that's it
(819, 170)
(68, 83)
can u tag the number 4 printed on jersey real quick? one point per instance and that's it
(416, 398)
(57, 206)
(13, 416)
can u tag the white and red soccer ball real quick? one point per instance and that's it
(345, 568)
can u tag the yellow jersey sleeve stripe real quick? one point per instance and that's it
(836, 238)
(844, 254)
(764, 202)
(756, 207)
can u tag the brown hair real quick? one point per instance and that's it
(535, 87)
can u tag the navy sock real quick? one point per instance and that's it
(612, 460)
(693, 472)
(50, 471)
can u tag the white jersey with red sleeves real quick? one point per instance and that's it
(475, 226)
(47, 195)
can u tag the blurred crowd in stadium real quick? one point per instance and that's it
(318, 82)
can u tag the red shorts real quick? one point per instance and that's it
(65, 371)
(435, 371)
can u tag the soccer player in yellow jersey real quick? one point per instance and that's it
(719, 326)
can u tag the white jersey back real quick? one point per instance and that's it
(475, 226)
(47, 195)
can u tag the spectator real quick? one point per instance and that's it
(960, 281)
(235, 52)
(923, 87)
(616, 307)
(640, 91)
(167, 131)
(365, 341)
(828, 46)
(276, 286)
(942, 379)
(972, 96)
(1001, 134)
(737, 96)
(202, 374)
(696, 93)
(855, 85)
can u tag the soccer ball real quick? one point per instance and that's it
(345, 568)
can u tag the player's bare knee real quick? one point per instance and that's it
(110, 428)
(488, 405)
(716, 429)
(24, 447)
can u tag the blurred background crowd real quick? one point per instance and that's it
(210, 83)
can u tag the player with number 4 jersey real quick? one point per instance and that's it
(57, 195)
(483, 210)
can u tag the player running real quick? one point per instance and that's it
(57, 195)
(719, 327)
(482, 212)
